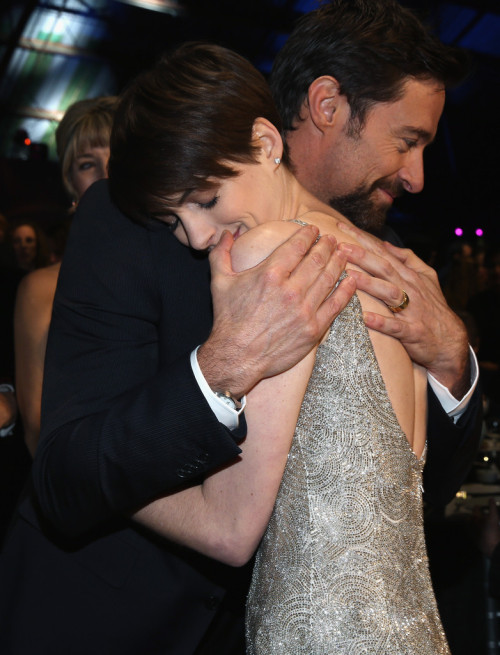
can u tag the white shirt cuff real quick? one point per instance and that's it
(453, 407)
(229, 417)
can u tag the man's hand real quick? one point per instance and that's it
(433, 335)
(267, 318)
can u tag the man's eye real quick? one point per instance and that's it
(411, 143)
(209, 204)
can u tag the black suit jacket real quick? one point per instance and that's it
(123, 421)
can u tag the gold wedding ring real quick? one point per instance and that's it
(402, 305)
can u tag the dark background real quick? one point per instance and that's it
(462, 170)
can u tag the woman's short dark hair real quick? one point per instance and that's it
(371, 47)
(183, 122)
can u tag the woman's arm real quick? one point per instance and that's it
(226, 516)
(32, 314)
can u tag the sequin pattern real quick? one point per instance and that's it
(342, 568)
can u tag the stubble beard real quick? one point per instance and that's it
(359, 209)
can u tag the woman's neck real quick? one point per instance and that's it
(298, 203)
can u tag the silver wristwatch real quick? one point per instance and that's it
(228, 399)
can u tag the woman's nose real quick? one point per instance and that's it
(201, 234)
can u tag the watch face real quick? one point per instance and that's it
(226, 400)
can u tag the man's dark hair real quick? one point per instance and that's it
(183, 122)
(370, 47)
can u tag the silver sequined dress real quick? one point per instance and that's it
(342, 568)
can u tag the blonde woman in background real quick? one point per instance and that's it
(82, 139)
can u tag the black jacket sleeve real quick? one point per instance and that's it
(451, 447)
(123, 419)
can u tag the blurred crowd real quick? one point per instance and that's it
(30, 259)
(470, 279)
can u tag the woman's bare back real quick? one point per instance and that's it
(406, 383)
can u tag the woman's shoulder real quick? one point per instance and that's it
(39, 284)
(258, 243)
(254, 246)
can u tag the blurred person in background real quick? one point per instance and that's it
(459, 276)
(485, 308)
(30, 246)
(82, 139)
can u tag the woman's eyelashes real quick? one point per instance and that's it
(210, 204)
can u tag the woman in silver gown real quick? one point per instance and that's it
(342, 566)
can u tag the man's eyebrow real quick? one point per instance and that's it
(422, 134)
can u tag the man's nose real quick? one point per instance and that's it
(412, 173)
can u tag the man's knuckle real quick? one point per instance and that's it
(318, 258)
(329, 279)
(311, 329)
(271, 276)
(387, 268)
(301, 246)
(433, 276)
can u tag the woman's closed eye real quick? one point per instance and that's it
(210, 204)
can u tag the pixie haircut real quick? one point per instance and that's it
(371, 47)
(181, 125)
(86, 124)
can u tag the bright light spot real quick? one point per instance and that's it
(27, 142)
(166, 6)
(479, 232)
(459, 231)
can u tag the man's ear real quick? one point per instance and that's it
(324, 100)
(267, 137)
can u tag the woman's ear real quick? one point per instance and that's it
(324, 101)
(267, 137)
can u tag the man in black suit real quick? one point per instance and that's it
(124, 421)
(360, 87)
